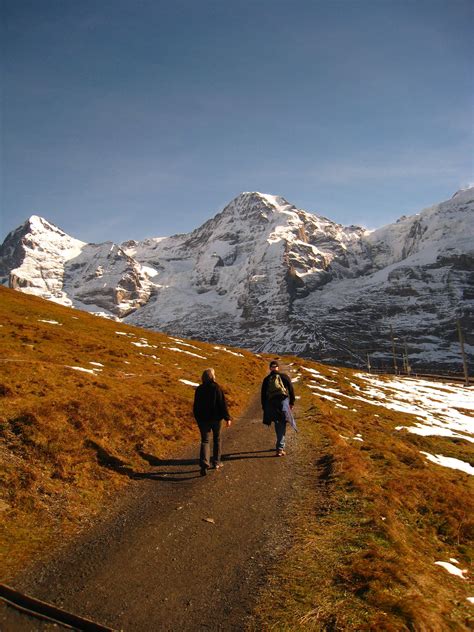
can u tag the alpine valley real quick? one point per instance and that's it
(267, 276)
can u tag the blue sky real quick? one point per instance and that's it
(137, 118)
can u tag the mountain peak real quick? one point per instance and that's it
(38, 239)
(250, 204)
(467, 191)
(277, 201)
(38, 224)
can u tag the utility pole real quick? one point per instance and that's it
(369, 366)
(394, 353)
(407, 363)
(463, 353)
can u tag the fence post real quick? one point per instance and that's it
(463, 353)
(395, 366)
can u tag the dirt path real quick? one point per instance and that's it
(157, 564)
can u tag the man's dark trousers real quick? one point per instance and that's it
(214, 428)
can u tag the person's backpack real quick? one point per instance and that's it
(276, 388)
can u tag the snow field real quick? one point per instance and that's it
(438, 408)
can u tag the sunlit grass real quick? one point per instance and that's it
(368, 518)
(69, 436)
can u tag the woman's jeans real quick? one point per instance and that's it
(280, 430)
(214, 428)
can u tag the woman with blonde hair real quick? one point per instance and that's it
(209, 409)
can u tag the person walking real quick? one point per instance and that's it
(277, 394)
(209, 409)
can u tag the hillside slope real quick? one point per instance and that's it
(381, 515)
(82, 397)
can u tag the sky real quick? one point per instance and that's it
(127, 119)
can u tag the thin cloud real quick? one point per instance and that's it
(407, 167)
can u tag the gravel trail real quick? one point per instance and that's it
(179, 551)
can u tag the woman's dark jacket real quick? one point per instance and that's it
(209, 403)
(272, 410)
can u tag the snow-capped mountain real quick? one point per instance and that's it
(39, 258)
(265, 275)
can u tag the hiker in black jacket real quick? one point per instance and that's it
(276, 387)
(209, 409)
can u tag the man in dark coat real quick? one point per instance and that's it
(272, 403)
(209, 409)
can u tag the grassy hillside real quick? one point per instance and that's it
(372, 516)
(83, 400)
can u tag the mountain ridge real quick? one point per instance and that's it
(268, 276)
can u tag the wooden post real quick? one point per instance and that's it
(407, 363)
(368, 363)
(394, 354)
(463, 353)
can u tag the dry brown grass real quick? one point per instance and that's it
(70, 439)
(369, 520)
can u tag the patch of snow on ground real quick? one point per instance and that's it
(188, 382)
(96, 363)
(317, 374)
(50, 322)
(80, 368)
(146, 355)
(324, 395)
(436, 406)
(184, 344)
(241, 355)
(358, 437)
(447, 461)
(454, 570)
(184, 351)
(144, 343)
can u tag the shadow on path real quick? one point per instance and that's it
(110, 461)
(171, 477)
(254, 454)
(154, 460)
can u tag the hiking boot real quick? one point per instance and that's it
(281, 453)
(203, 471)
(218, 466)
